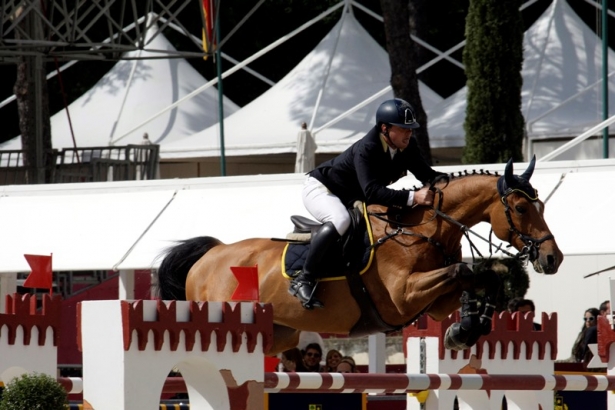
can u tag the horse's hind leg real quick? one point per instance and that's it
(284, 338)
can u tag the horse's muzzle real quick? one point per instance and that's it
(548, 262)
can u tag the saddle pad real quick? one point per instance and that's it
(360, 254)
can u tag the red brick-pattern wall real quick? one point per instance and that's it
(21, 311)
(132, 318)
(516, 328)
(606, 336)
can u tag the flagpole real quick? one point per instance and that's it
(605, 77)
(220, 93)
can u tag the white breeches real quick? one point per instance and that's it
(324, 206)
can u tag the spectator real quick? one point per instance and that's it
(347, 365)
(512, 304)
(588, 335)
(292, 361)
(605, 308)
(523, 306)
(311, 358)
(332, 360)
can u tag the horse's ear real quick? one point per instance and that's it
(530, 169)
(508, 174)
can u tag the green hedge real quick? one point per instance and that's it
(34, 392)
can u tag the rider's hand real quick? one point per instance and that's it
(423, 197)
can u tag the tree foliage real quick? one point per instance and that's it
(514, 277)
(398, 25)
(493, 56)
(34, 392)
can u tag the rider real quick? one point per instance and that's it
(362, 172)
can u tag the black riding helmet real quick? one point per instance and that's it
(396, 112)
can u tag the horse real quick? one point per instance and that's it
(416, 266)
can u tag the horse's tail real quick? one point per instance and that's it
(176, 264)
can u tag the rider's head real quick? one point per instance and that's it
(396, 112)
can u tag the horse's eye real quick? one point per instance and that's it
(520, 209)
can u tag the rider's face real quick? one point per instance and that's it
(400, 137)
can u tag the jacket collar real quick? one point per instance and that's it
(385, 146)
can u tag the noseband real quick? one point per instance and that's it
(531, 244)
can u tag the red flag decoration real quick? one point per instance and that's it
(271, 363)
(41, 275)
(208, 27)
(247, 289)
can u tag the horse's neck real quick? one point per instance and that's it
(467, 200)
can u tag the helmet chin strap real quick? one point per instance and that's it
(386, 135)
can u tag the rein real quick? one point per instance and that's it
(448, 258)
(529, 251)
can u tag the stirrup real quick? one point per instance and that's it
(308, 303)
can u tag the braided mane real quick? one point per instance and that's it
(462, 174)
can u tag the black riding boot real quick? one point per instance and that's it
(304, 285)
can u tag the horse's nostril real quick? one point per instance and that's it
(550, 260)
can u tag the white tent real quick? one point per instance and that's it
(132, 92)
(561, 94)
(346, 68)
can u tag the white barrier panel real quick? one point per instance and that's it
(129, 348)
(28, 338)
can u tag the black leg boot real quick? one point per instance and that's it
(304, 285)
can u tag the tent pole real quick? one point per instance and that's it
(328, 67)
(605, 80)
(220, 96)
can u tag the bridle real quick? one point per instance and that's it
(531, 244)
(528, 252)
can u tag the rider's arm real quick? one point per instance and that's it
(370, 165)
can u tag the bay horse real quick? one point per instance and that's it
(416, 267)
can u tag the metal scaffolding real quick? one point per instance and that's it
(59, 30)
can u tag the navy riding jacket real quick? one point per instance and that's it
(364, 170)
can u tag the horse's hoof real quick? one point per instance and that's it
(450, 340)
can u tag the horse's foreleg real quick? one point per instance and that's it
(284, 338)
(437, 291)
(466, 333)
(491, 283)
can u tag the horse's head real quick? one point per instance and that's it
(520, 220)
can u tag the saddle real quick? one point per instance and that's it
(352, 253)
(356, 248)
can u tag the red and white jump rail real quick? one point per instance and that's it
(29, 338)
(413, 383)
(513, 348)
(606, 350)
(129, 347)
(280, 382)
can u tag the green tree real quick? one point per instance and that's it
(399, 19)
(493, 57)
(514, 277)
(34, 392)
